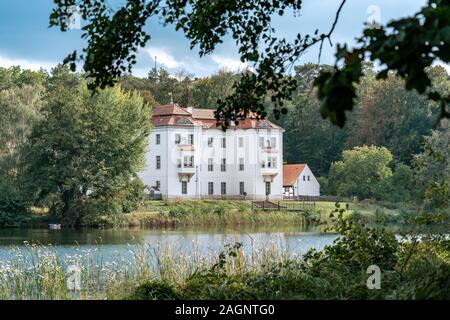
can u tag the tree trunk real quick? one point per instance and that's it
(70, 216)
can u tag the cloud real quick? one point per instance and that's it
(196, 65)
(163, 57)
(189, 62)
(7, 62)
(229, 63)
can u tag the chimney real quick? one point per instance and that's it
(189, 109)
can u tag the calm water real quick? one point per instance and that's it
(112, 242)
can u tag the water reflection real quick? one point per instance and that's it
(112, 242)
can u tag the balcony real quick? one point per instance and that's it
(185, 172)
(268, 172)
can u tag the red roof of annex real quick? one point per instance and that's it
(291, 173)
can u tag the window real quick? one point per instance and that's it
(158, 184)
(273, 142)
(158, 162)
(241, 187)
(210, 165)
(189, 162)
(224, 142)
(183, 121)
(183, 187)
(178, 163)
(309, 178)
(158, 139)
(210, 188)
(304, 178)
(241, 164)
(267, 188)
(223, 165)
(263, 124)
(241, 142)
(272, 162)
(191, 139)
(210, 142)
(223, 188)
(177, 138)
(261, 142)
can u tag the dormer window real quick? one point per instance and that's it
(184, 121)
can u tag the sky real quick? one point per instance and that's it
(26, 39)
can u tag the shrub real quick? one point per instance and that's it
(13, 208)
(156, 290)
(323, 181)
(133, 195)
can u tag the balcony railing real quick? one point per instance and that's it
(185, 168)
(270, 149)
(185, 171)
(268, 169)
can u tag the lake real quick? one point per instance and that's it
(109, 243)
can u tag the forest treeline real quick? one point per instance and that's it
(76, 153)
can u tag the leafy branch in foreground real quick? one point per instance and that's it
(114, 38)
(406, 46)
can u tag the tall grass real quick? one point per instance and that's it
(39, 272)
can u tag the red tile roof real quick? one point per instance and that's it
(170, 109)
(169, 115)
(291, 173)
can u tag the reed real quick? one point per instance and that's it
(39, 272)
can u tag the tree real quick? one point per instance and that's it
(167, 88)
(433, 169)
(309, 138)
(360, 171)
(20, 108)
(406, 46)
(16, 77)
(208, 90)
(160, 87)
(86, 148)
(402, 126)
(400, 187)
(130, 83)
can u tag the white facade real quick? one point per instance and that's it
(307, 184)
(189, 157)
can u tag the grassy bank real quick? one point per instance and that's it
(229, 213)
(211, 213)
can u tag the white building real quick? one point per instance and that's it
(298, 180)
(189, 156)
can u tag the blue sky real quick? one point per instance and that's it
(26, 40)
